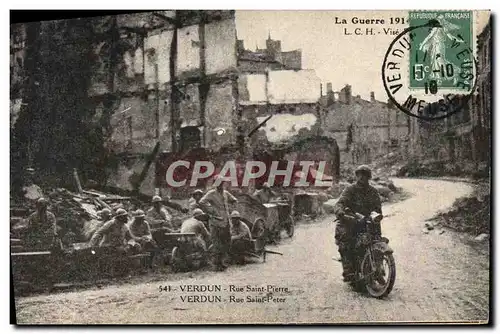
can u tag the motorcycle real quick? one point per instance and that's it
(375, 268)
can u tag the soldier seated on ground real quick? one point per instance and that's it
(115, 234)
(140, 230)
(40, 230)
(105, 215)
(159, 216)
(241, 238)
(141, 233)
(264, 194)
(196, 225)
(93, 225)
(359, 197)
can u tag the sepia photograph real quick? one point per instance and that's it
(234, 167)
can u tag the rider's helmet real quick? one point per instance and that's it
(363, 169)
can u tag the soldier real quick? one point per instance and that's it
(359, 197)
(114, 233)
(159, 216)
(216, 202)
(240, 238)
(105, 215)
(196, 225)
(41, 230)
(141, 233)
(265, 194)
(93, 225)
(195, 199)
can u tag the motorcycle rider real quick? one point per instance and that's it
(359, 197)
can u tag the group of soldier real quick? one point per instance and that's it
(211, 221)
(130, 232)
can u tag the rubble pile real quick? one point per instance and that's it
(69, 213)
(469, 214)
(76, 213)
(440, 168)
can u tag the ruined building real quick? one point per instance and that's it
(364, 130)
(118, 90)
(464, 136)
(116, 96)
(272, 58)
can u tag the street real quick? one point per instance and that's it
(439, 278)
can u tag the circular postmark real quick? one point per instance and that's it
(429, 70)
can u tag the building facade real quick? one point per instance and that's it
(164, 80)
(271, 58)
(464, 136)
(365, 130)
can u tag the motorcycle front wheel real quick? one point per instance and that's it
(379, 279)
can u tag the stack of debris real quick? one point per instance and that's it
(77, 213)
(442, 168)
(469, 214)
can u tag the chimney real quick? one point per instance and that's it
(320, 89)
(372, 96)
(329, 87)
(240, 46)
(347, 92)
(329, 94)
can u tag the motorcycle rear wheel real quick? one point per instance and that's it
(372, 281)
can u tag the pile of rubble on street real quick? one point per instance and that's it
(440, 168)
(469, 214)
(77, 212)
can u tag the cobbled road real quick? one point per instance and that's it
(440, 278)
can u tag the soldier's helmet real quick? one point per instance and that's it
(139, 213)
(363, 169)
(42, 203)
(235, 214)
(121, 213)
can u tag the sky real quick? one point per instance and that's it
(336, 58)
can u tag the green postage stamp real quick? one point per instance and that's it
(438, 59)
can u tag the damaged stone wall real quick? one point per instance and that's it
(188, 83)
(371, 128)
